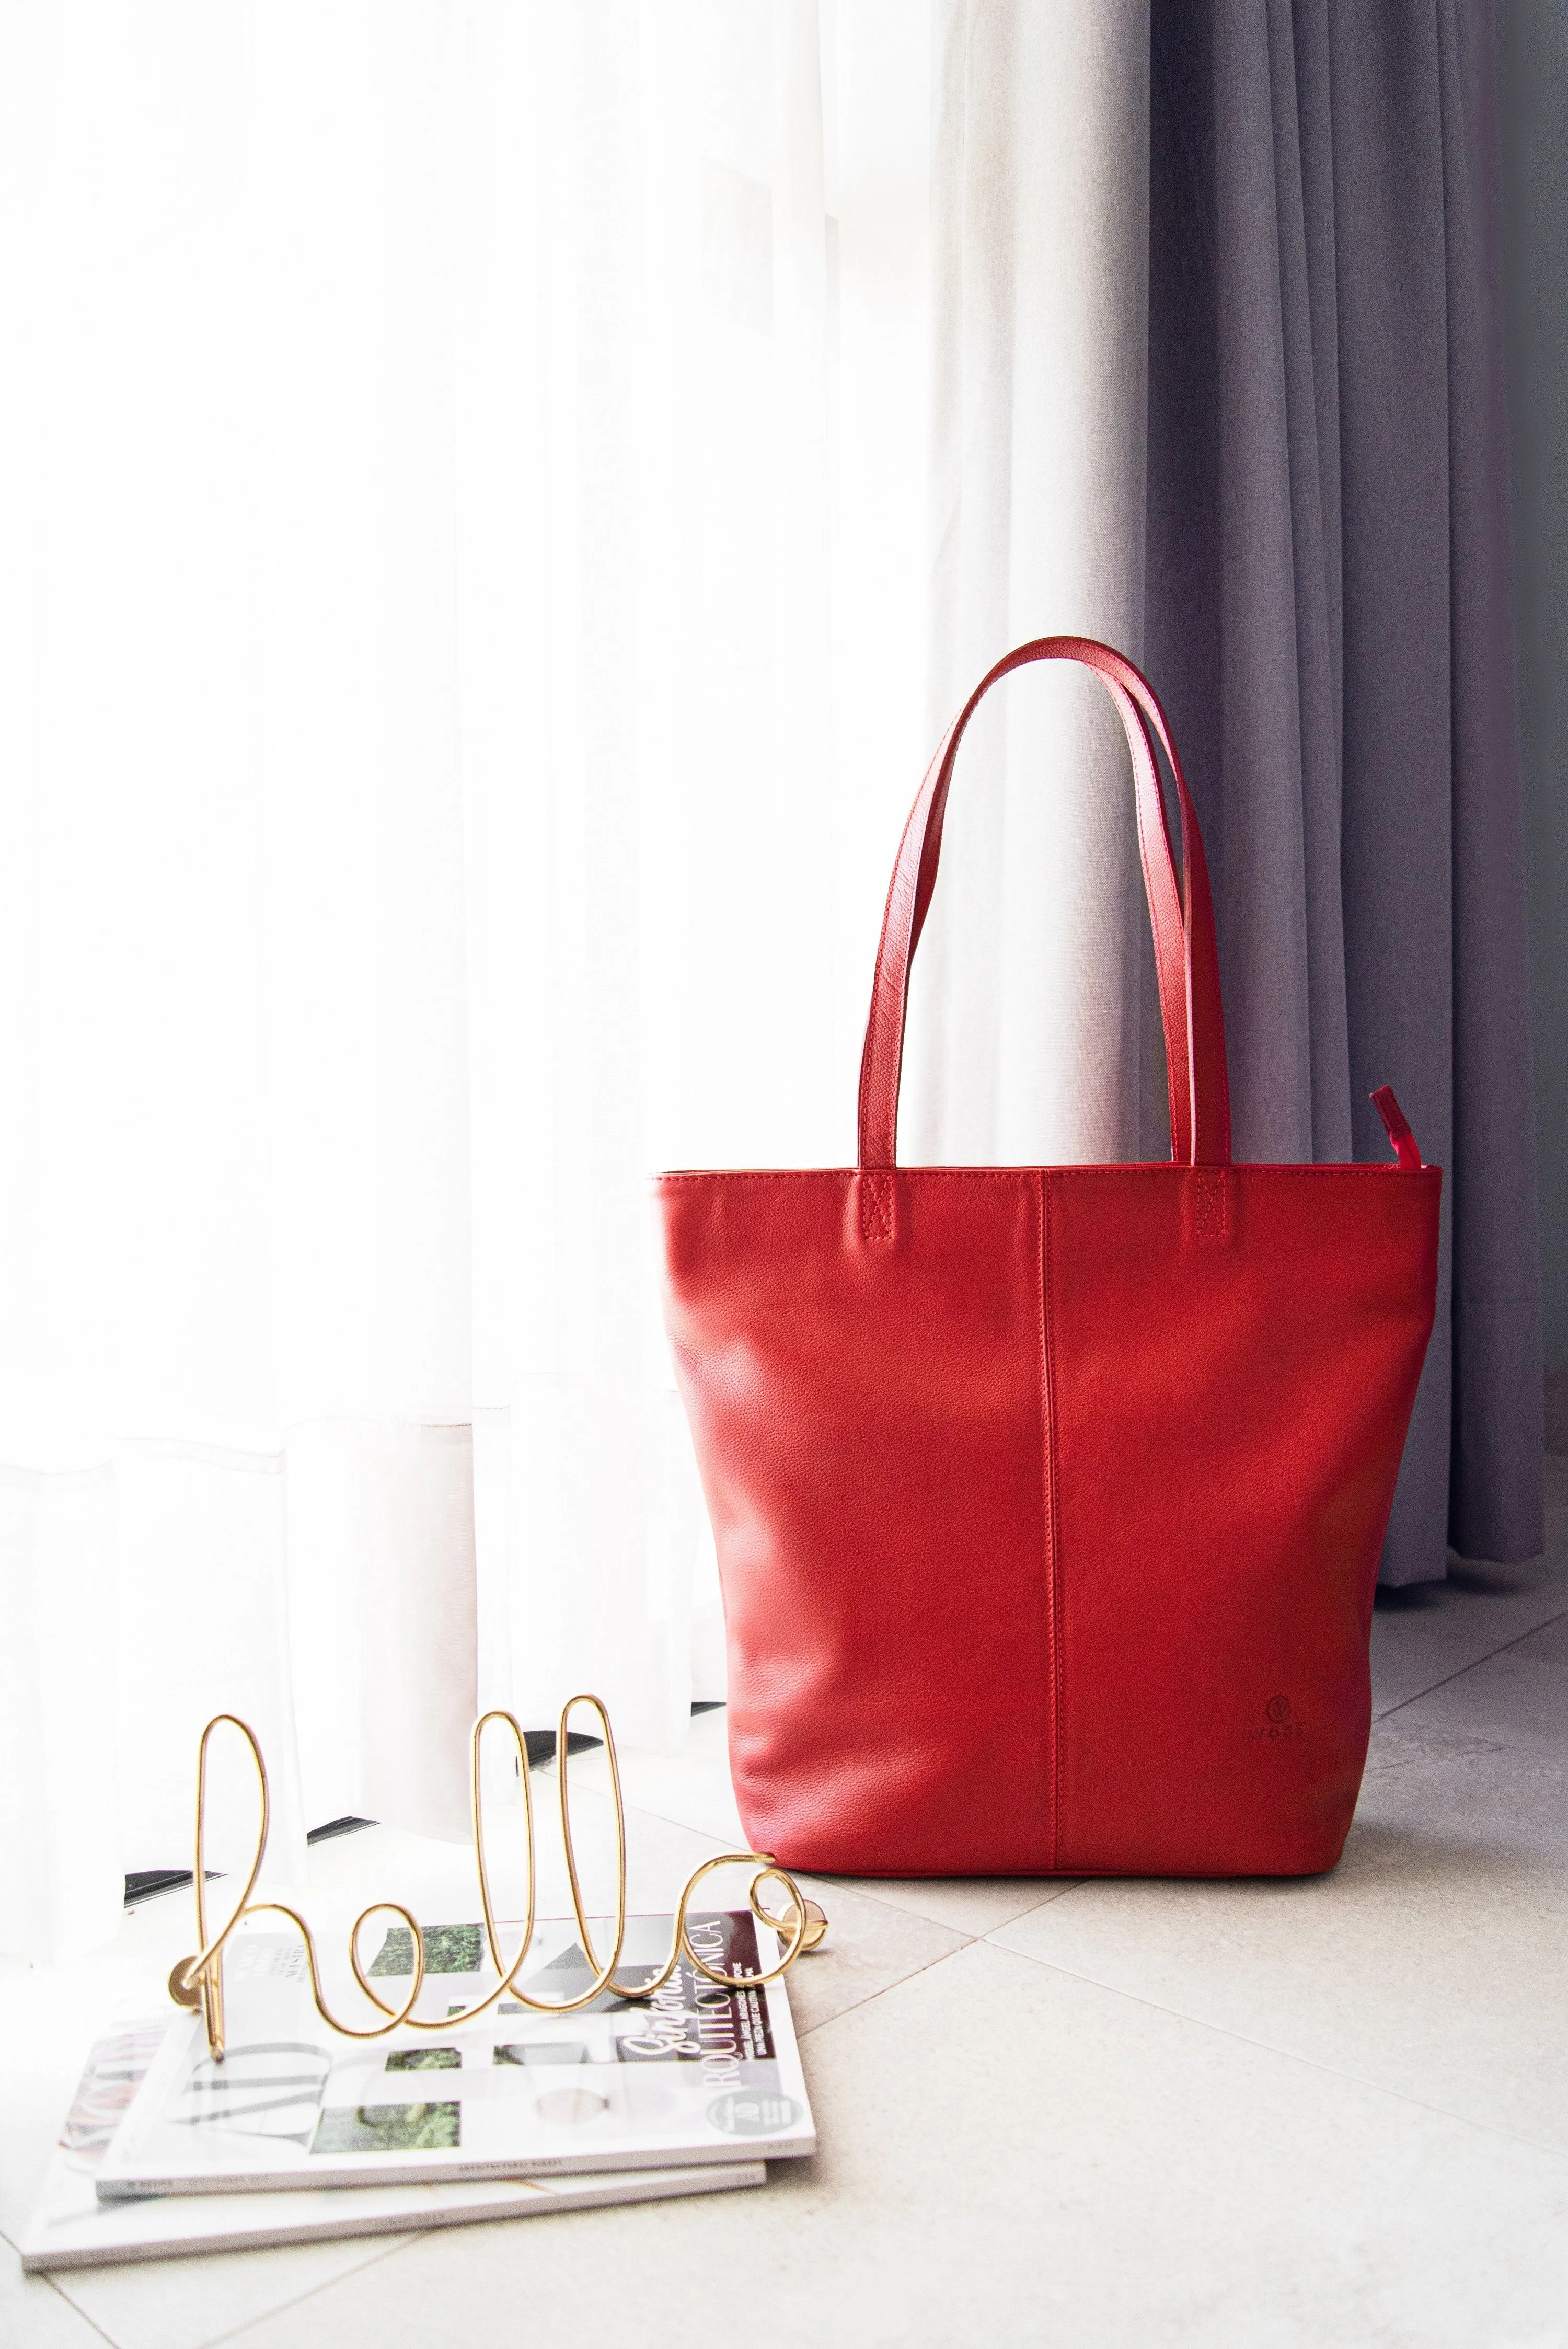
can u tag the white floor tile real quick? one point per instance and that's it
(869, 1947)
(1433, 1963)
(965, 1904)
(33, 2317)
(1549, 1645)
(1513, 1699)
(1432, 1629)
(187, 2304)
(1013, 2156)
(1412, 1654)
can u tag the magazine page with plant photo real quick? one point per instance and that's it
(698, 2073)
(72, 2227)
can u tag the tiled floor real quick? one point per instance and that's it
(1318, 2113)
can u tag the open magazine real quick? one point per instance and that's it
(72, 2228)
(699, 2073)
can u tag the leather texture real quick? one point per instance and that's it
(1048, 1501)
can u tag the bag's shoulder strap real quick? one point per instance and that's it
(1183, 924)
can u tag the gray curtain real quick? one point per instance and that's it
(1532, 74)
(1328, 616)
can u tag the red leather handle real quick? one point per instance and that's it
(1184, 949)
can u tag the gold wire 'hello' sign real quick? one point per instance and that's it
(197, 1981)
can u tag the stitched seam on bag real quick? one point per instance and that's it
(904, 984)
(1359, 1170)
(1049, 1476)
(1044, 1613)
(876, 1205)
(1055, 1552)
(1208, 1203)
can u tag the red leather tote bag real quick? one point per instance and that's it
(1048, 1501)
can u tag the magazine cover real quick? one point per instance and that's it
(73, 2228)
(699, 2073)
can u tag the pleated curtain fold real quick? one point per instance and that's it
(1328, 612)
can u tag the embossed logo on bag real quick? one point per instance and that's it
(1279, 1721)
(1278, 1708)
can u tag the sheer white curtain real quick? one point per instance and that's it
(467, 562)
(1029, 994)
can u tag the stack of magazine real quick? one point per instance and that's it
(297, 2132)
